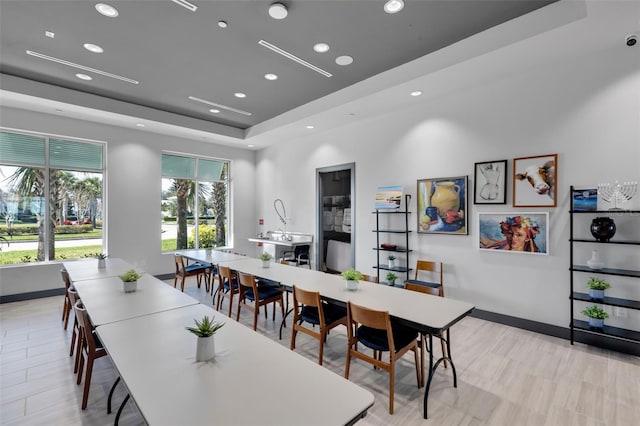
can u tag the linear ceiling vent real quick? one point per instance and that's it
(184, 3)
(293, 57)
(82, 67)
(228, 108)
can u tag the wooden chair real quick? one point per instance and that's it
(91, 350)
(374, 330)
(434, 269)
(259, 295)
(196, 270)
(227, 286)
(423, 338)
(76, 335)
(370, 278)
(308, 307)
(67, 305)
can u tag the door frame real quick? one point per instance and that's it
(319, 210)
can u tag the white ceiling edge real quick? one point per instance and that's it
(524, 27)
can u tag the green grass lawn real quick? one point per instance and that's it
(14, 257)
(96, 233)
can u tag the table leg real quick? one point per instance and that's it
(432, 371)
(286, 314)
(120, 409)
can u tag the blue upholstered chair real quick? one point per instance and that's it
(258, 296)
(227, 286)
(183, 271)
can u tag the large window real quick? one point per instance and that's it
(195, 202)
(50, 198)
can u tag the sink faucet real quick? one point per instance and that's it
(284, 236)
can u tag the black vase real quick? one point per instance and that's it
(603, 228)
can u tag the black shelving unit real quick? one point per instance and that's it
(626, 336)
(402, 230)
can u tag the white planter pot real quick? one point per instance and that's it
(102, 263)
(205, 348)
(130, 286)
(351, 285)
(392, 264)
(265, 263)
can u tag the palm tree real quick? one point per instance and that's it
(220, 206)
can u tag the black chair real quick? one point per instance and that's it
(299, 255)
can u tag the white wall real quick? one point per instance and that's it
(584, 107)
(133, 188)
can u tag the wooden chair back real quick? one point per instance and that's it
(359, 315)
(422, 289)
(435, 270)
(307, 298)
(247, 282)
(370, 278)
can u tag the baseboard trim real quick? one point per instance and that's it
(605, 342)
(31, 295)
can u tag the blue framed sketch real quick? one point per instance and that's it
(389, 197)
(584, 200)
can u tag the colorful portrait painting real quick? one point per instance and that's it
(442, 206)
(514, 232)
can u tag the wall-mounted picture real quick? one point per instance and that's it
(389, 197)
(490, 182)
(584, 200)
(514, 232)
(534, 181)
(442, 206)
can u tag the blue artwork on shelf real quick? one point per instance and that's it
(584, 200)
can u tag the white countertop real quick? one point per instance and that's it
(87, 269)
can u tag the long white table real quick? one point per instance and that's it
(106, 301)
(252, 381)
(212, 257)
(428, 314)
(87, 269)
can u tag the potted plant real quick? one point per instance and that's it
(352, 277)
(130, 280)
(392, 261)
(596, 316)
(205, 330)
(265, 257)
(391, 278)
(596, 287)
(102, 260)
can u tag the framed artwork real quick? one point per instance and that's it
(514, 232)
(490, 182)
(534, 181)
(584, 200)
(389, 197)
(442, 206)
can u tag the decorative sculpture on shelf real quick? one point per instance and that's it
(617, 193)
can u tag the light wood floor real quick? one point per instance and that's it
(506, 376)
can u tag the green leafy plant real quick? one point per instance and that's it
(265, 256)
(205, 328)
(100, 256)
(130, 275)
(352, 275)
(597, 284)
(391, 257)
(595, 312)
(391, 277)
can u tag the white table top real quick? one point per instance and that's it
(431, 312)
(210, 256)
(106, 301)
(87, 269)
(252, 381)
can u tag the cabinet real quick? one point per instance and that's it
(392, 227)
(578, 276)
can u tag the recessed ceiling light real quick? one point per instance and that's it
(58, 109)
(82, 67)
(93, 48)
(184, 3)
(271, 77)
(228, 108)
(106, 10)
(50, 34)
(251, 145)
(223, 24)
(416, 93)
(215, 111)
(240, 95)
(393, 6)
(139, 124)
(278, 11)
(84, 77)
(311, 127)
(321, 47)
(344, 60)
